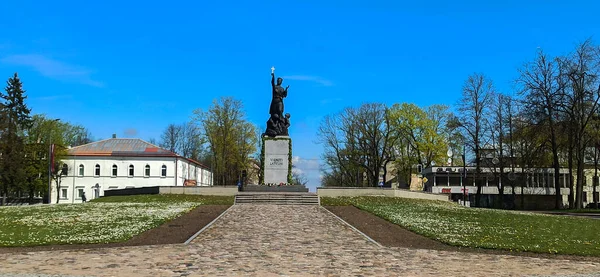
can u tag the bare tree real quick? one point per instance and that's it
(184, 139)
(299, 178)
(191, 141)
(356, 142)
(171, 138)
(498, 124)
(542, 90)
(472, 111)
(582, 68)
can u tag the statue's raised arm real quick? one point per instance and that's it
(273, 76)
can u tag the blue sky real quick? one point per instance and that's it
(133, 67)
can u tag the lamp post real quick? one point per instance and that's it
(50, 161)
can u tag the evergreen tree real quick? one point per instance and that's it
(15, 118)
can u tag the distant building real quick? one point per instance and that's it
(535, 184)
(120, 163)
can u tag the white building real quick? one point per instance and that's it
(124, 163)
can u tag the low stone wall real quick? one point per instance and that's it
(131, 191)
(214, 190)
(352, 191)
(421, 195)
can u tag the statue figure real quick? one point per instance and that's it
(286, 124)
(272, 128)
(277, 124)
(276, 109)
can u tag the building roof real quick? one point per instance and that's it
(120, 147)
(125, 147)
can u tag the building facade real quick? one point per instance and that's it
(117, 163)
(536, 185)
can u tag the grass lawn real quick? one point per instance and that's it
(104, 220)
(484, 228)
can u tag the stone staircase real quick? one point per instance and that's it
(277, 198)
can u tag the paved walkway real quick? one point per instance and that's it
(265, 240)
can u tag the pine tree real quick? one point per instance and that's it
(15, 119)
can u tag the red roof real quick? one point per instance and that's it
(120, 147)
(125, 147)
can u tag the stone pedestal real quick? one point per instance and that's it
(277, 162)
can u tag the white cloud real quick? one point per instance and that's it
(53, 69)
(309, 78)
(310, 168)
(305, 164)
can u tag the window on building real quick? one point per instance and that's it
(80, 170)
(114, 170)
(130, 170)
(63, 193)
(79, 193)
(65, 170)
(147, 171)
(97, 171)
(164, 171)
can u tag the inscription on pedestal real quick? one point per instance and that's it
(277, 162)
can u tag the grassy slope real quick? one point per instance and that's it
(485, 228)
(104, 220)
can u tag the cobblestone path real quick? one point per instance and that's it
(266, 240)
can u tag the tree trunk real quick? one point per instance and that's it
(385, 172)
(57, 191)
(580, 179)
(558, 196)
(477, 177)
(30, 198)
(500, 202)
(570, 165)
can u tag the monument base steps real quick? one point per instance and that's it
(277, 198)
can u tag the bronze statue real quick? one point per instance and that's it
(277, 125)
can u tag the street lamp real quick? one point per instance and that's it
(50, 161)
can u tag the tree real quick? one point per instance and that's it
(184, 139)
(299, 178)
(420, 136)
(583, 94)
(230, 137)
(42, 134)
(191, 142)
(75, 135)
(500, 126)
(171, 138)
(472, 111)
(357, 141)
(341, 155)
(423, 130)
(15, 118)
(542, 91)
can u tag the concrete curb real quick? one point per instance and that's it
(206, 227)
(352, 227)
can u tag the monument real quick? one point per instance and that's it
(276, 152)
